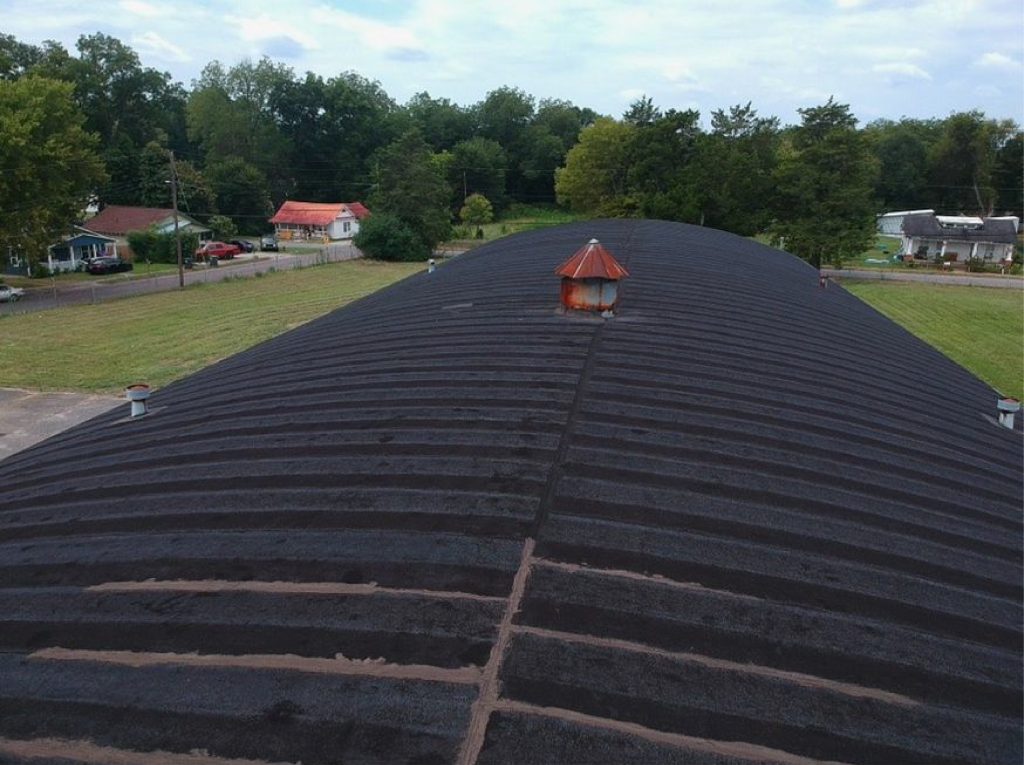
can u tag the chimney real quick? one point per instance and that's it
(138, 394)
(590, 280)
(1007, 408)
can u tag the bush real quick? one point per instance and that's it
(223, 227)
(387, 237)
(160, 248)
(40, 271)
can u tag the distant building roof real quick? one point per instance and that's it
(80, 233)
(118, 220)
(961, 229)
(298, 213)
(358, 209)
(592, 261)
(902, 213)
(747, 520)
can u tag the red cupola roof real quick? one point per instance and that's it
(592, 261)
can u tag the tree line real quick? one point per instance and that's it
(98, 124)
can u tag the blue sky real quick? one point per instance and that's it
(919, 58)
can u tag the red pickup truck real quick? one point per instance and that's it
(220, 250)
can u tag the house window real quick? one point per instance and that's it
(346, 227)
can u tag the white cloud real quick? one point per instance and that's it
(598, 53)
(140, 8)
(153, 44)
(902, 68)
(997, 61)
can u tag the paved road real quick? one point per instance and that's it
(81, 293)
(970, 280)
(27, 417)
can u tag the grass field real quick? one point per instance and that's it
(978, 327)
(159, 338)
(517, 218)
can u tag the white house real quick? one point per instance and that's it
(316, 220)
(955, 238)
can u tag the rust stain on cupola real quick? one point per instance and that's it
(590, 279)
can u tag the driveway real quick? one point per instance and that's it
(27, 418)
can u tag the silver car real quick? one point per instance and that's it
(10, 294)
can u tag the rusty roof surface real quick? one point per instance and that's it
(592, 261)
(120, 219)
(316, 213)
(743, 521)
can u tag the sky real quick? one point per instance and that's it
(887, 59)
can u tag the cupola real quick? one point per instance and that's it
(590, 279)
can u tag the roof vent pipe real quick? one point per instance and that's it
(1007, 407)
(138, 394)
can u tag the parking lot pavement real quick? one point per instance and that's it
(27, 418)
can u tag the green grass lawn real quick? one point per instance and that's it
(141, 271)
(978, 327)
(159, 338)
(517, 218)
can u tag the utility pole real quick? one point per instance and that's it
(177, 231)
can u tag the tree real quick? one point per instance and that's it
(410, 187)
(962, 161)
(504, 116)
(223, 227)
(51, 165)
(731, 172)
(16, 58)
(642, 112)
(476, 212)
(157, 247)
(125, 104)
(824, 205)
(594, 179)
(478, 167)
(1006, 176)
(241, 192)
(385, 236)
(544, 144)
(902, 149)
(442, 123)
(662, 151)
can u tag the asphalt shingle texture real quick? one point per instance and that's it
(751, 520)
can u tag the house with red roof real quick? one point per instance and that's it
(118, 221)
(318, 220)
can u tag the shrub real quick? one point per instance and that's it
(223, 227)
(40, 271)
(160, 248)
(386, 237)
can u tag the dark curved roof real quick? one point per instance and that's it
(747, 519)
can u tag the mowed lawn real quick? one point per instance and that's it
(159, 338)
(980, 328)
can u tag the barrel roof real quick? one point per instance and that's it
(746, 520)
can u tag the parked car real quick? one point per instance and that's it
(10, 294)
(268, 243)
(108, 265)
(220, 250)
(243, 244)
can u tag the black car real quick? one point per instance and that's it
(268, 243)
(243, 244)
(108, 265)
